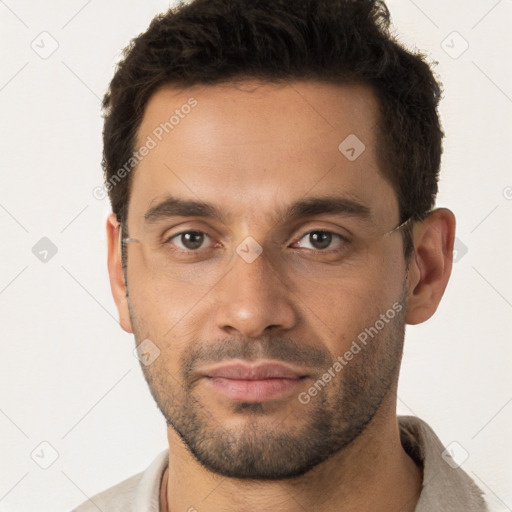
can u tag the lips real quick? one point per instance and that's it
(257, 382)
(239, 371)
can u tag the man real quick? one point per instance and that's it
(272, 168)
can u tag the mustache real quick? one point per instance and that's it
(280, 349)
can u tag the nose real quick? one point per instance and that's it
(252, 299)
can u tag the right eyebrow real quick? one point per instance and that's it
(174, 207)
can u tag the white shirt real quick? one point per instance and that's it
(446, 487)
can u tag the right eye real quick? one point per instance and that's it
(189, 241)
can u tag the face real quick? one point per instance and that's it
(257, 260)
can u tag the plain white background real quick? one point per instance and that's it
(68, 376)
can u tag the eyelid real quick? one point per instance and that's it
(333, 229)
(184, 227)
(303, 226)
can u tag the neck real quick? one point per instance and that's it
(372, 473)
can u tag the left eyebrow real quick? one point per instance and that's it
(325, 205)
(307, 207)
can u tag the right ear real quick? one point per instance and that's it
(116, 273)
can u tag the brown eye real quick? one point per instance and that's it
(319, 240)
(190, 240)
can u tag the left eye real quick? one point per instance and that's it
(320, 240)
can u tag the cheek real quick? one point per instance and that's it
(161, 310)
(340, 311)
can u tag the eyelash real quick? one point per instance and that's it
(343, 240)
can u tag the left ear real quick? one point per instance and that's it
(431, 264)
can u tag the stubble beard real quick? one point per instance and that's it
(258, 448)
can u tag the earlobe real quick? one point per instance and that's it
(430, 268)
(116, 273)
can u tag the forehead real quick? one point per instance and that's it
(249, 145)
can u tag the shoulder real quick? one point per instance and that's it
(116, 498)
(446, 486)
(138, 492)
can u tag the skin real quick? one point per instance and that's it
(251, 149)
